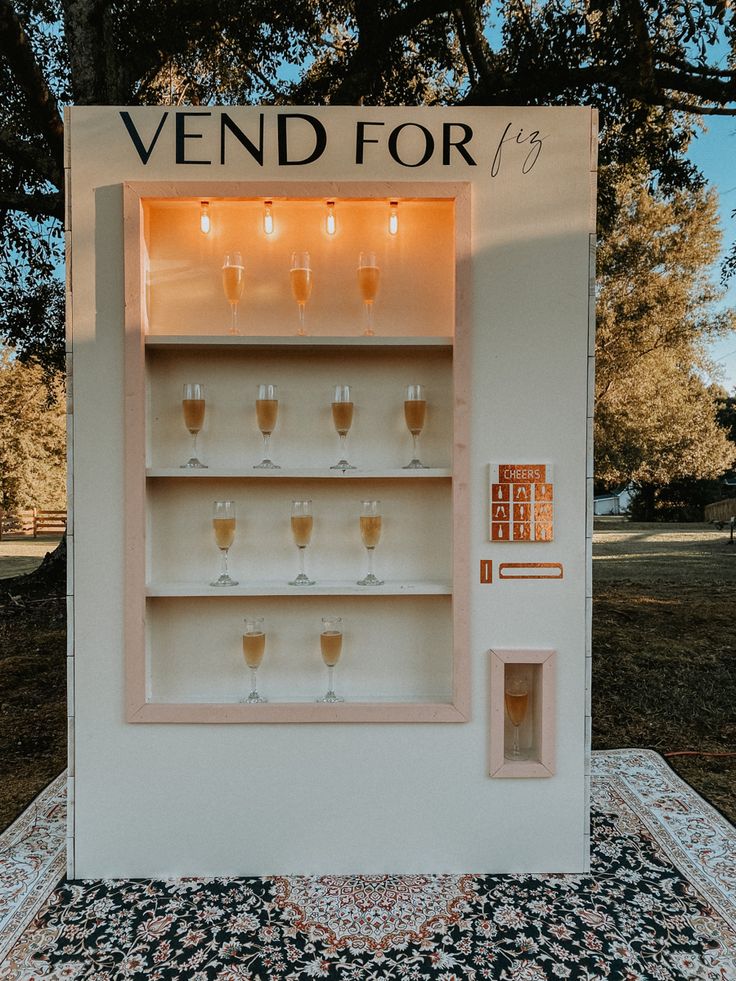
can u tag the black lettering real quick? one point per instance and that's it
(182, 135)
(361, 139)
(393, 141)
(255, 151)
(320, 139)
(143, 152)
(495, 166)
(535, 143)
(448, 143)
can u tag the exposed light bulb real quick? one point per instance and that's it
(204, 218)
(267, 217)
(393, 218)
(330, 224)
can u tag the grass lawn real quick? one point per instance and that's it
(664, 661)
(664, 648)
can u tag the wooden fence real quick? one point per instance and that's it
(32, 523)
(721, 512)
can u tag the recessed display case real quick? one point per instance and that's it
(522, 716)
(405, 649)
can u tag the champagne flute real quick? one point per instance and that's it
(516, 698)
(193, 404)
(233, 283)
(342, 416)
(330, 642)
(301, 284)
(415, 408)
(223, 524)
(301, 529)
(267, 410)
(254, 647)
(368, 276)
(370, 532)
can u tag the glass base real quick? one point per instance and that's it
(370, 580)
(253, 698)
(266, 465)
(369, 333)
(415, 464)
(301, 580)
(516, 757)
(343, 465)
(224, 580)
(194, 464)
(330, 697)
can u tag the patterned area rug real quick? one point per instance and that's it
(659, 905)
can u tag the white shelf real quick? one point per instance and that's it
(251, 473)
(292, 341)
(325, 588)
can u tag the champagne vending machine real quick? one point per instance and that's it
(330, 445)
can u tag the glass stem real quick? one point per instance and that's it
(368, 307)
(195, 444)
(415, 436)
(301, 550)
(253, 680)
(233, 318)
(343, 445)
(267, 445)
(224, 571)
(330, 676)
(515, 751)
(370, 561)
(301, 318)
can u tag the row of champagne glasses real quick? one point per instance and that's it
(267, 410)
(302, 521)
(300, 274)
(254, 648)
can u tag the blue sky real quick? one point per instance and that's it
(714, 152)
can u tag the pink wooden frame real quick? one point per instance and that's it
(139, 707)
(544, 710)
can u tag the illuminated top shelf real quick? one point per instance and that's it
(281, 588)
(292, 341)
(252, 473)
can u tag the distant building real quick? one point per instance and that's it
(614, 502)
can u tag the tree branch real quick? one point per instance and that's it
(30, 157)
(42, 105)
(35, 205)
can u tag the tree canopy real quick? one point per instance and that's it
(653, 68)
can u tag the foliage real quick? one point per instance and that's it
(655, 417)
(32, 437)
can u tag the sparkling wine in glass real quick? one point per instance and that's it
(301, 528)
(330, 642)
(223, 525)
(415, 411)
(267, 410)
(370, 532)
(254, 647)
(233, 283)
(192, 404)
(342, 416)
(516, 698)
(368, 277)
(301, 284)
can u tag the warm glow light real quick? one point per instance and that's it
(204, 218)
(330, 220)
(393, 218)
(267, 217)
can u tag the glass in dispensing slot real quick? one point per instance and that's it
(254, 647)
(267, 410)
(516, 699)
(301, 529)
(233, 284)
(368, 278)
(301, 284)
(415, 411)
(223, 525)
(342, 416)
(193, 404)
(330, 642)
(370, 532)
